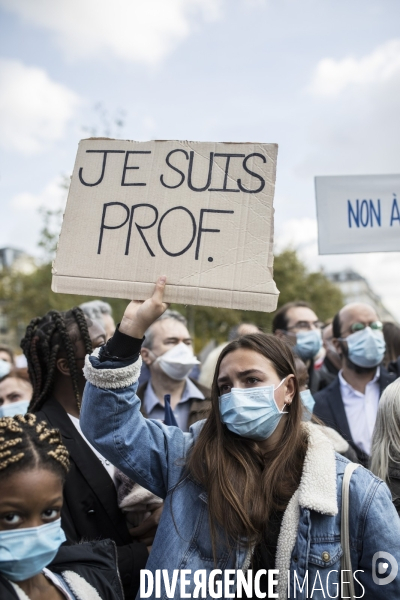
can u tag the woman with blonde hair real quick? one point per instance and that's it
(385, 453)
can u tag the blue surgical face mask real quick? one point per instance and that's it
(252, 412)
(366, 348)
(308, 344)
(308, 403)
(15, 408)
(25, 552)
(5, 368)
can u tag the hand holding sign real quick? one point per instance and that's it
(138, 316)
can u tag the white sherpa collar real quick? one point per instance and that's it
(317, 491)
(19, 591)
(286, 541)
(111, 378)
(80, 587)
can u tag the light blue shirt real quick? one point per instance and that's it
(155, 410)
(361, 410)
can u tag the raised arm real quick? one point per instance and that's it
(147, 451)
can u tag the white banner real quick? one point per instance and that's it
(358, 213)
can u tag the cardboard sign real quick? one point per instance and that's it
(358, 213)
(199, 213)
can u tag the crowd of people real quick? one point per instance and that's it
(120, 452)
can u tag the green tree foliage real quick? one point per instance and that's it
(26, 296)
(294, 282)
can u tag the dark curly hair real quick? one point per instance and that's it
(45, 338)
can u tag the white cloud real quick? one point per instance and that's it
(34, 110)
(354, 127)
(299, 234)
(331, 76)
(133, 30)
(52, 196)
(21, 219)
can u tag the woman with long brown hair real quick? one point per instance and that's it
(251, 467)
(251, 490)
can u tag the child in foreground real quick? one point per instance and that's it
(33, 564)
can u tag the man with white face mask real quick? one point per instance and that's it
(168, 352)
(350, 403)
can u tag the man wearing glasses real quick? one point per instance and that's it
(350, 403)
(297, 323)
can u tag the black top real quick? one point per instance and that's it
(394, 367)
(265, 553)
(313, 378)
(95, 562)
(121, 347)
(327, 373)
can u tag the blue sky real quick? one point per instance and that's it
(321, 78)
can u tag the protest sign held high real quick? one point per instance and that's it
(358, 213)
(200, 213)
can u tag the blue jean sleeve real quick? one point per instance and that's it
(147, 451)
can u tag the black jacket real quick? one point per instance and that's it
(327, 373)
(95, 562)
(394, 367)
(90, 510)
(313, 378)
(330, 409)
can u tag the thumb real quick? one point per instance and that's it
(159, 290)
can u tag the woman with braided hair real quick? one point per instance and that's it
(55, 347)
(33, 564)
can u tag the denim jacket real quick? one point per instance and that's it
(309, 549)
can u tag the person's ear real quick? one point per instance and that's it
(145, 352)
(290, 389)
(338, 346)
(62, 366)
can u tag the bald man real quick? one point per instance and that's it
(350, 403)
